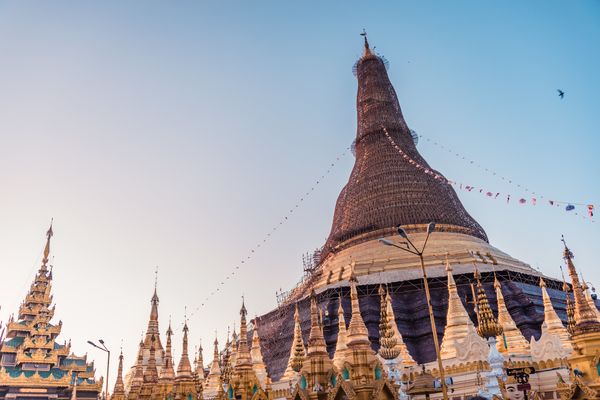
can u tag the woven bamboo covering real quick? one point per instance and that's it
(384, 189)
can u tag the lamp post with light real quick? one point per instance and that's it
(412, 249)
(103, 348)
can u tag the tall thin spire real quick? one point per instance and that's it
(316, 341)
(119, 389)
(184, 369)
(585, 318)
(570, 306)
(167, 373)
(49, 235)
(342, 338)
(153, 329)
(200, 363)
(258, 364)
(243, 352)
(358, 335)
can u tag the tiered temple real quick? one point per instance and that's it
(33, 364)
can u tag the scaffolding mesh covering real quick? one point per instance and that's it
(384, 190)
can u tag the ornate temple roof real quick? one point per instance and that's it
(30, 355)
(384, 190)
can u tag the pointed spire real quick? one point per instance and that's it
(458, 322)
(570, 306)
(153, 329)
(512, 340)
(316, 341)
(297, 350)
(258, 364)
(214, 379)
(167, 373)
(358, 335)
(342, 338)
(243, 352)
(487, 325)
(367, 51)
(388, 349)
(49, 235)
(184, 369)
(590, 299)
(552, 323)
(200, 363)
(585, 318)
(119, 389)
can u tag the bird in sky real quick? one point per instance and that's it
(561, 94)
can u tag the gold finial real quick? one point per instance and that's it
(584, 317)
(367, 51)
(487, 324)
(570, 306)
(49, 235)
(388, 342)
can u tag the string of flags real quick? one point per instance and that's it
(270, 233)
(568, 206)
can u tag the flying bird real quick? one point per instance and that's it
(561, 94)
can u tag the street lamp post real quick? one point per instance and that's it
(411, 248)
(105, 349)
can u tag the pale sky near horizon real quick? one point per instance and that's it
(178, 134)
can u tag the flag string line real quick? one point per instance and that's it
(494, 195)
(287, 216)
(490, 171)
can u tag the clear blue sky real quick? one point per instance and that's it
(177, 134)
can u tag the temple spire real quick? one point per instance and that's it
(358, 335)
(512, 340)
(367, 52)
(458, 322)
(552, 322)
(258, 364)
(153, 329)
(570, 306)
(585, 318)
(167, 372)
(487, 324)
(385, 189)
(316, 341)
(214, 378)
(184, 369)
(297, 349)
(387, 340)
(119, 389)
(243, 352)
(342, 338)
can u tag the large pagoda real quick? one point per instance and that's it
(392, 185)
(33, 365)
